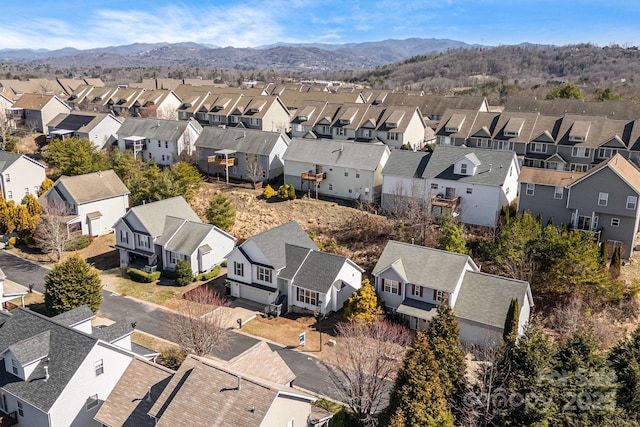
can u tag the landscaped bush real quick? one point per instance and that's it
(268, 192)
(77, 243)
(210, 275)
(286, 192)
(142, 276)
(224, 263)
(13, 240)
(171, 357)
(184, 273)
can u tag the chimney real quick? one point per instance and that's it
(239, 385)
(46, 372)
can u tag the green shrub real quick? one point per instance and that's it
(292, 192)
(142, 276)
(286, 192)
(224, 263)
(171, 357)
(268, 192)
(77, 243)
(210, 275)
(184, 273)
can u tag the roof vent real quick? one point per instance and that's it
(46, 372)
(239, 383)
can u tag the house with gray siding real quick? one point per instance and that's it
(243, 154)
(99, 128)
(413, 281)
(603, 200)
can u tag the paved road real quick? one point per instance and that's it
(151, 318)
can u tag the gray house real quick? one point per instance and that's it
(603, 201)
(413, 281)
(243, 154)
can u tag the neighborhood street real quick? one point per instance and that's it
(151, 318)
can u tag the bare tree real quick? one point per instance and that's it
(254, 169)
(203, 326)
(367, 359)
(51, 234)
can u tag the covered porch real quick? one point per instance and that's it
(417, 314)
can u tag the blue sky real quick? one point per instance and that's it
(84, 24)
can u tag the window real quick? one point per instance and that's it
(391, 286)
(99, 367)
(579, 167)
(392, 136)
(325, 130)
(469, 190)
(173, 258)
(346, 173)
(632, 202)
(603, 199)
(14, 366)
(580, 152)
(605, 153)
(357, 174)
(238, 269)
(341, 131)
(20, 409)
(10, 195)
(559, 191)
(434, 186)
(504, 145)
(416, 291)
(26, 191)
(124, 236)
(159, 144)
(531, 188)
(254, 122)
(7, 178)
(615, 222)
(350, 190)
(264, 274)
(307, 297)
(143, 241)
(538, 147)
(166, 144)
(92, 402)
(35, 190)
(584, 223)
(463, 168)
(439, 295)
(163, 157)
(330, 186)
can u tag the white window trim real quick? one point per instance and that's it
(632, 202)
(558, 193)
(603, 199)
(615, 222)
(531, 189)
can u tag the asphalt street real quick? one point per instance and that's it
(151, 318)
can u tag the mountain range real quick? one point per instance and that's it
(280, 56)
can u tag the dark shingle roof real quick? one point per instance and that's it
(32, 348)
(75, 316)
(153, 215)
(329, 152)
(7, 159)
(319, 271)
(241, 140)
(158, 129)
(114, 331)
(68, 348)
(407, 164)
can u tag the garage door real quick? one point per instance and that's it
(254, 294)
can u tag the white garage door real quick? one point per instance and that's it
(254, 294)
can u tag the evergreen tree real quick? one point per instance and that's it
(70, 284)
(417, 391)
(46, 184)
(184, 273)
(363, 305)
(25, 223)
(511, 322)
(604, 253)
(187, 178)
(616, 259)
(625, 360)
(74, 156)
(451, 235)
(567, 91)
(221, 212)
(513, 248)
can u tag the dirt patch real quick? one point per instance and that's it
(28, 144)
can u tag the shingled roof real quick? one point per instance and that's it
(241, 140)
(92, 186)
(362, 156)
(153, 215)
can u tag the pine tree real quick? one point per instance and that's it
(625, 360)
(511, 322)
(221, 212)
(604, 252)
(451, 235)
(70, 284)
(616, 259)
(363, 305)
(32, 204)
(417, 391)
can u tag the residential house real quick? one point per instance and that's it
(10, 291)
(99, 128)
(7, 116)
(162, 141)
(159, 103)
(472, 184)
(284, 266)
(55, 374)
(342, 169)
(620, 110)
(603, 201)
(243, 154)
(34, 111)
(413, 281)
(402, 126)
(264, 112)
(93, 201)
(160, 234)
(305, 118)
(20, 175)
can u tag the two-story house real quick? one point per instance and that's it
(162, 141)
(93, 201)
(413, 281)
(243, 154)
(284, 266)
(603, 200)
(160, 234)
(20, 176)
(34, 111)
(343, 169)
(55, 371)
(99, 128)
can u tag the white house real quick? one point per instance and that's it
(157, 235)
(413, 281)
(19, 176)
(54, 374)
(347, 170)
(472, 184)
(99, 128)
(284, 266)
(162, 141)
(95, 201)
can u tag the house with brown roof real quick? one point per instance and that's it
(93, 201)
(602, 201)
(34, 111)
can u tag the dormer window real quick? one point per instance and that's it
(455, 123)
(513, 127)
(579, 131)
(463, 168)
(14, 366)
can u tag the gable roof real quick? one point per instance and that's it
(485, 298)
(407, 164)
(73, 317)
(493, 166)
(79, 121)
(31, 101)
(242, 140)
(621, 166)
(153, 215)
(8, 158)
(421, 265)
(548, 176)
(92, 186)
(204, 390)
(158, 129)
(262, 362)
(183, 236)
(67, 349)
(133, 396)
(355, 155)
(272, 243)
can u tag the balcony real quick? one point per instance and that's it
(443, 202)
(314, 177)
(8, 420)
(227, 162)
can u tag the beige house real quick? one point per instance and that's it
(34, 111)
